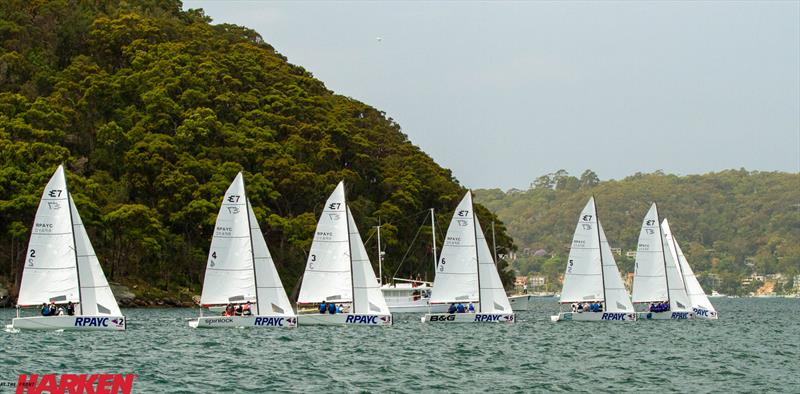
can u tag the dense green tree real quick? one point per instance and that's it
(154, 110)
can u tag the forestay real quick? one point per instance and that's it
(272, 297)
(697, 297)
(229, 272)
(50, 271)
(649, 280)
(457, 279)
(367, 295)
(327, 274)
(583, 279)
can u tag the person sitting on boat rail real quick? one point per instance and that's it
(246, 311)
(238, 310)
(339, 309)
(323, 307)
(471, 308)
(45, 309)
(574, 306)
(332, 308)
(228, 310)
(452, 308)
(70, 309)
(460, 308)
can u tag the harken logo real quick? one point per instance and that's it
(74, 383)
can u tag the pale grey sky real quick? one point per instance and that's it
(502, 92)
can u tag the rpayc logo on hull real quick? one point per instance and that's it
(680, 315)
(270, 321)
(615, 316)
(493, 318)
(359, 319)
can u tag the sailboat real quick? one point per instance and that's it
(592, 275)
(657, 277)
(701, 306)
(466, 273)
(338, 271)
(61, 268)
(240, 269)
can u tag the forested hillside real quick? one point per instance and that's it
(154, 110)
(730, 223)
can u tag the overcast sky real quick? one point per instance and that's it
(502, 92)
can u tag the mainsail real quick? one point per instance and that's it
(230, 274)
(697, 297)
(457, 279)
(650, 276)
(61, 265)
(583, 278)
(327, 276)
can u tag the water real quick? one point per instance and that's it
(754, 347)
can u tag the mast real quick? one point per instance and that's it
(380, 260)
(252, 249)
(350, 251)
(74, 243)
(663, 254)
(477, 255)
(600, 249)
(494, 245)
(433, 233)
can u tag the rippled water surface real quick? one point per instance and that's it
(755, 347)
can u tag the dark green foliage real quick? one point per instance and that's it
(154, 111)
(730, 223)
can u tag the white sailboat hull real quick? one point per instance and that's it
(520, 302)
(594, 316)
(469, 318)
(669, 315)
(702, 313)
(70, 323)
(268, 321)
(345, 319)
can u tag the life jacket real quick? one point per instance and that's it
(332, 308)
(322, 307)
(460, 308)
(452, 308)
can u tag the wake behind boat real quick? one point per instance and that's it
(658, 287)
(339, 279)
(467, 273)
(62, 271)
(592, 283)
(240, 271)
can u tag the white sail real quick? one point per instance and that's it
(272, 297)
(457, 278)
(583, 279)
(493, 296)
(649, 280)
(50, 264)
(96, 295)
(327, 276)
(367, 295)
(616, 295)
(229, 271)
(692, 291)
